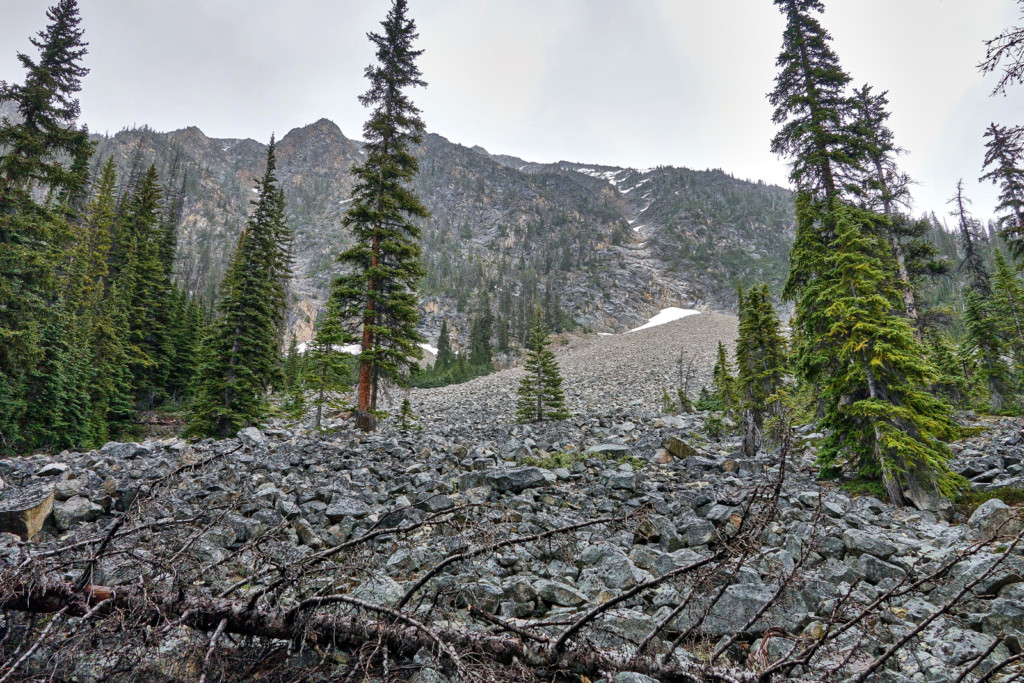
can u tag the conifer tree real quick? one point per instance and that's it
(42, 155)
(812, 106)
(384, 265)
(100, 311)
(150, 300)
(722, 381)
(242, 353)
(1004, 159)
(883, 185)
(761, 364)
(950, 382)
(540, 390)
(480, 350)
(882, 424)
(1008, 306)
(326, 367)
(969, 229)
(445, 357)
(983, 334)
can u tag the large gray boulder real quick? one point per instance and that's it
(75, 510)
(512, 480)
(859, 542)
(556, 593)
(343, 508)
(995, 517)
(23, 511)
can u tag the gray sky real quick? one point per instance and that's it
(619, 82)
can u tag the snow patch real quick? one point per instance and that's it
(428, 347)
(254, 190)
(639, 228)
(605, 334)
(666, 315)
(351, 348)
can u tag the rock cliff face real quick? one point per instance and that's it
(603, 247)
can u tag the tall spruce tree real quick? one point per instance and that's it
(43, 155)
(540, 390)
(1004, 161)
(242, 351)
(445, 357)
(969, 231)
(1008, 306)
(865, 364)
(882, 424)
(761, 364)
(884, 187)
(481, 353)
(384, 265)
(812, 106)
(146, 282)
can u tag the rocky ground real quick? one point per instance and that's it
(464, 526)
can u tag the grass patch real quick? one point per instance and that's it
(567, 459)
(968, 501)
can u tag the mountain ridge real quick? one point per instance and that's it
(598, 246)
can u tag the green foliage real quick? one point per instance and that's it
(445, 357)
(969, 501)
(708, 401)
(989, 367)
(326, 369)
(723, 384)
(1004, 161)
(812, 106)
(881, 422)
(241, 354)
(715, 427)
(761, 361)
(384, 264)
(406, 418)
(540, 390)
(43, 179)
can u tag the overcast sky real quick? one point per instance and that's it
(620, 82)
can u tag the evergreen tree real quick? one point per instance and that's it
(1008, 306)
(882, 425)
(540, 390)
(480, 351)
(504, 337)
(950, 382)
(983, 334)
(241, 353)
(103, 330)
(150, 300)
(384, 265)
(326, 367)
(44, 155)
(761, 363)
(722, 381)
(969, 230)
(812, 106)
(883, 185)
(38, 149)
(1004, 157)
(445, 357)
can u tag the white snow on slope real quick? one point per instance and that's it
(351, 348)
(666, 315)
(428, 347)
